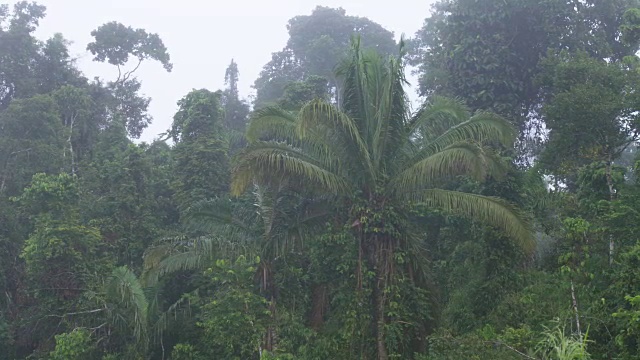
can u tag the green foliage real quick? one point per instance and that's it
(583, 130)
(115, 42)
(488, 53)
(184, 352)
(629, 335)
(31, 141)
(297, 94)
(317, 43)
(557, 345)
(361, 229)
(75, 345)
(130, 312)
(201, 153)
(236, 318)
(363, 152)
(130, 107)
(52, 194)
(630, 27)
(236, 111)
(445, 346)
(199, 115)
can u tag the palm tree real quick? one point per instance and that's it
(372, 154)
(270, 224)
(128, 314)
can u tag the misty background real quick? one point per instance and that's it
(203, 36)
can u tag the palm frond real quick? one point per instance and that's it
(270, 123)
(236, 138)
(352, 71)
(464, 158)
(392, 113)
(491, 210)
(264, 159)
(163, 320)
(152, 257)
(128, 302)
(188, 260)
(320, 113)
(437, 115)
(482, 127)
(214, 216)
(185, 255)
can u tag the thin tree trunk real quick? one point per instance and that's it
(575, 309)
(612, 197)
(69, 140)
(359, 269)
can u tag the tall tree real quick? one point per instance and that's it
(74, 106)
(363, 153)
(201, 150)
(115, 43)
(60, 254)
(316, 44)
(18, 49)
(31, 140)
(236, 110)
(298, 93)
(583, 131)
(488, 52)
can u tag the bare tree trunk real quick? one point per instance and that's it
(612, 197)
(575, 309)
(69, 140)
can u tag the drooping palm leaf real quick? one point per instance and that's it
(272, 122)
(465, 158)
(263, 159)
(175, 311)
(482, 127)
(128, 303)
(491, 210)
(193, 254)
(436, 116)
(215, 216)
(319, 113)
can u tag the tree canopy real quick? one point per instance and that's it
(328, 219)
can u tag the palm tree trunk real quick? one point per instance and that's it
(270, 336)
(269, 291)
(379, 301)
(380, 257)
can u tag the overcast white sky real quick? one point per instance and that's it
(203, 35)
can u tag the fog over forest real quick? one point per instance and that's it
(286, 180)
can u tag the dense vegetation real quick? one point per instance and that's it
(327, 219)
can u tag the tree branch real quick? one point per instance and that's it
(513, 349)
(128, 74)
(77, 313)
